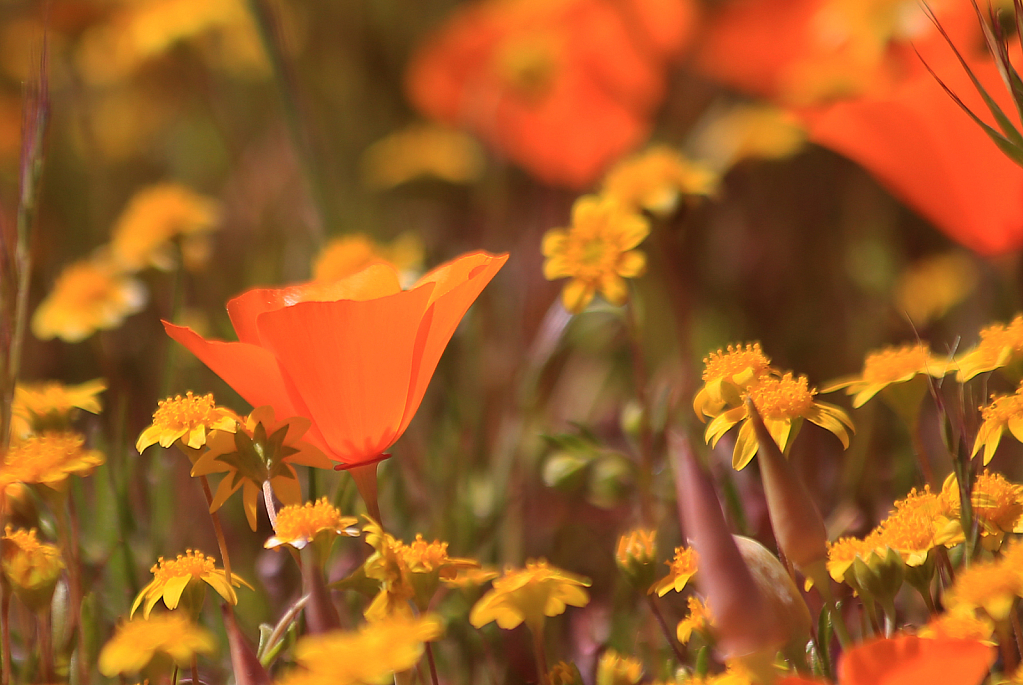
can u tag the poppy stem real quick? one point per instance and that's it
(218, 531)
(195, 670)
(540, 653)
(433, 664)
(365, 476)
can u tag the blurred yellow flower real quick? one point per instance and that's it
(39, 406)
(173, 578)
(32, 567)
(189, 419)
(656, 180)
(698, 620)
(136, 642)
(262, 450)
(1005, 412)
(997, 507)
(1000, 345)
(471, 577)
(683, 568)
(887, 367)
(987, 586)
(347, 255)
(376, 651)
(422, 151)
(596, 252)
(48, 459)
(299, 524)
(748, 132)
(636, 556)
(963, 624)
(726, 376)
(911, 529)
(528, 595)
(782, 403)
(930, 287)
(615, 669)
(842, 553)
(153, 218)
(88, 296)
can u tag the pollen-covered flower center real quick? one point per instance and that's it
(684, 563)
(640, 545)
(185, 412)
(528, 65)
(425, 556)
(591, 256)
(194, 564)
(41, 452)
(782, 398)
(1000, 336)
(736, 360)
(1004, 408)
(893, 363)
(303, 522)
(25, 540)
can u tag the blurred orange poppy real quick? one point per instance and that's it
(918, 143)
(562, 87)
(354, 356)
(911, 660)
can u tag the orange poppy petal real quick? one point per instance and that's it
(250, 370)
(374, 281)
(911, 660)
(457, 285)
(350, 363)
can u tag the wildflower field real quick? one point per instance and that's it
(492, 342)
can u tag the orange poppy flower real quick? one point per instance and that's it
(911, 660)
(354, 356)
(918, 143)
(562, 87)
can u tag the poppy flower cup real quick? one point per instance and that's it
(354, 356)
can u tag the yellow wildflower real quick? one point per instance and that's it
(782, 403)
(299, 524)
(48, 459)
(347, 255)
(38, 406)
(471, 577)
(153, 218)
(188, 419)
(32, 567)
(911, 528)
(887, 367)
(395, 643)
(698, 620)
(88, 296)
(997, 507)
(726, 375)
(932, 286)
(987, 586)
(1004, 412)
(656, 179)
(1000, 345)
(136, 642)
(683, 567)
(615, 669)
(422, 151)
(636, 556)
(528, 595)
(842, 553)
(172, 578)
(564, 673)
(596, 252)
(749, 132)
(959, 625)
(262, 449)
(407, 572)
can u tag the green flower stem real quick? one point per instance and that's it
(539, 652)
(646, 440)
(195, 670)
(672, 641)
(433, 664)
(217, 529)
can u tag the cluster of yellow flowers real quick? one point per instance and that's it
(97, 293)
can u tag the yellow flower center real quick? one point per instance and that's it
(424, 556)
(40, 453)
(303, 522)
(893, 363)
(998, 337)
(997, 500)
(684, 563)
(1004, 408)
(736, 360)
(182, 413)
(86, 284)
(25, 540)
(782, 398)
(982, 582)
(194, 564)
